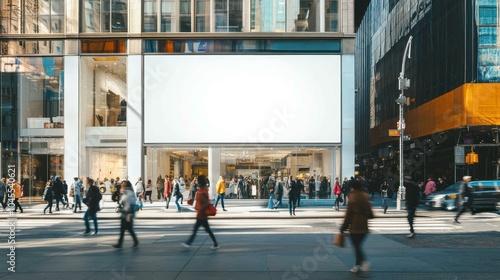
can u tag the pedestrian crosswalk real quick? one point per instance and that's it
(421, 224)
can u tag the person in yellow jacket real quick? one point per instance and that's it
(221, 192)
(17, 196)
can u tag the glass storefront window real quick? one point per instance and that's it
(104, 164)
(104, 16)
(103, 91)
(259, 168)
(27, 16)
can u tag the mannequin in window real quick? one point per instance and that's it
(122, 117)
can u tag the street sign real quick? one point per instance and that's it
(393, 132)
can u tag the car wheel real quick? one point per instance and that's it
(497, 205)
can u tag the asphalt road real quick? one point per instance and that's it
(283, 247)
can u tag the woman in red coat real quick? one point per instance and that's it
(336, 192)
(202, 201)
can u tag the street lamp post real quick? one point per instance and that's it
(401, 101)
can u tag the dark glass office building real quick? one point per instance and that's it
(453, 98)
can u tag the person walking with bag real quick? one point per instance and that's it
(167, 191)
(202, 202)
(127, 202)
(358, 212)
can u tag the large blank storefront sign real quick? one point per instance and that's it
(242, 99)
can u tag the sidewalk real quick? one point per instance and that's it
(237, 209)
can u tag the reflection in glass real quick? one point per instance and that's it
(104, 16)
(332, 16)
(104, 88)
(25, 17)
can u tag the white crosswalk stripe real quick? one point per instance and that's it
(400, 225)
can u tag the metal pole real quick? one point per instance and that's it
(401, 101)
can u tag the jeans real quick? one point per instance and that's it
(278, 201)
(78, 202)
(177, 197)
(90, 214)
(49, 206)
(221, 198)
(204, 223)
(357, 239)
(59, 199)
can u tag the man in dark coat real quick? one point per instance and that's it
(92, 200)
(464, 198)
(292, 195)
(412, 199)
(58, 189)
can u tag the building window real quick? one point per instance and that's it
(25, 16)
(104, 16)
(104, 91)
(332, 16)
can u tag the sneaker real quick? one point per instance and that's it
(356, 269)
(185, 245)
(215, 247)
(455, 221)
(117, 246)
(365, 266)
(411, 235)
(86, 233)
(94, 233)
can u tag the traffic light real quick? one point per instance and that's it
(471, 158)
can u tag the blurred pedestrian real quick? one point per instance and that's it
(167, 192)
(270, 204)
(430, 187)
(221, 192)
(178, 194)
(279, 194)
(358, 212)
(65, 194)
(337, 192)
(384, 188)
(18, 193)
(57, 187)
(139, 188)
(300, 189)
(202, 202)
(128, 201)
(412, 199)
(3, 194)
(464, 198)
(48, 196)
(346, 189)
(92, 201)
(292, 195)
(77, 193)
(149, 192)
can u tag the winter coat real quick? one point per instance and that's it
(359, 210)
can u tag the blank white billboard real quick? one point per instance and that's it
(242, 99)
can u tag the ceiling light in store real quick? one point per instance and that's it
(111, 58)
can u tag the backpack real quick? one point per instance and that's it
(116, 196)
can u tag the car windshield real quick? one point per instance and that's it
(453, 187)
